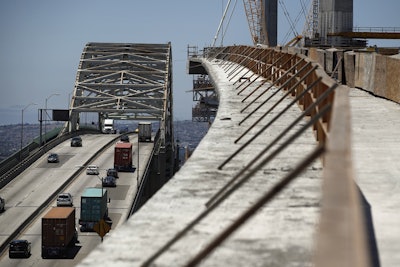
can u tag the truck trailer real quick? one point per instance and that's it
(123, 156)
(58, 232)
(144, 131)
(93, 207)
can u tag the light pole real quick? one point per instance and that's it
(45, 111)
(137, 168)
(22, 127)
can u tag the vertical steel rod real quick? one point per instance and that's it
(230, 187)
(277, 91)
(255, 207)
(273, 84)
(262, 74)
(286, 108)
(255, 64)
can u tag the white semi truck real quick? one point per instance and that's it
(109, 127)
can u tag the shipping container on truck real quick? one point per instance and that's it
(123, 156)
(58, 232)
(93, 207)
(144, 131)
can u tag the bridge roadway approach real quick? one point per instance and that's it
(282, 233)
(34, 186)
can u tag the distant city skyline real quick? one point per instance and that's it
(42, 41)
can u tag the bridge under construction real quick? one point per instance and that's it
(298, 167)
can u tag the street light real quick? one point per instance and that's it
(45, 109)
(22, 127)
(137, 167)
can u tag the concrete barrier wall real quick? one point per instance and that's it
(393, 78)
(373, 72)
(349, 68)
(365, 64)
(378, 74)
(379, 82)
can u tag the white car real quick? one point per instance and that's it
(92, 170)
(64, 199)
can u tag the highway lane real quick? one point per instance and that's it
(121, 198)
(32, 187)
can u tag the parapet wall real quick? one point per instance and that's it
(373, 72)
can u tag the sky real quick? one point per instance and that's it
(42, 41)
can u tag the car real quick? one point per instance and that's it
(109, 181)
(76, 141)
(124, 138)
(19, 247)
(53, 158)
(65, 199)
(2, 204)
(92, 170)
(112, 172)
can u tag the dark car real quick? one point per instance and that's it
(76, 141)
(109, 181)
(19, 248)
(112, 172)
(53, 158)
(124, 138)
(2, 204)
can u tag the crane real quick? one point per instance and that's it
(311, 24)
(254, 10)
(256, 18)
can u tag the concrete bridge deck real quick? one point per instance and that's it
(282, 233)
(376, 154)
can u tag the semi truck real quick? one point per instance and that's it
(58, 232)
(123, 156)
(93, 207)
(144, 131)
(109, 127)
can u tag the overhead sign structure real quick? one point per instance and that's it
(60, 115)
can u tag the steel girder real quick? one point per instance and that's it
(124, 81)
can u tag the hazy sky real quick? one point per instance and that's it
(42, 41)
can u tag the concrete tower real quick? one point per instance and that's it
(335, 16)
(271, 21)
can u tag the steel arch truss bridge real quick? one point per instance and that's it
(124, 81)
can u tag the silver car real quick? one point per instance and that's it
(92, 170)
(64, 199)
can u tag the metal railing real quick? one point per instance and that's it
(376, 29)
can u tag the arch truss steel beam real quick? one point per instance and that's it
(124, 81)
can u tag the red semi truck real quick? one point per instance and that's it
(58, 232)
(123, 156)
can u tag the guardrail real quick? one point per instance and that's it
(341, 235)
(376, 29)
(140, 199)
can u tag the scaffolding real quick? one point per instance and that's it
(204, 94)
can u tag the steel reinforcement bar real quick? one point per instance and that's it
(341, 236)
